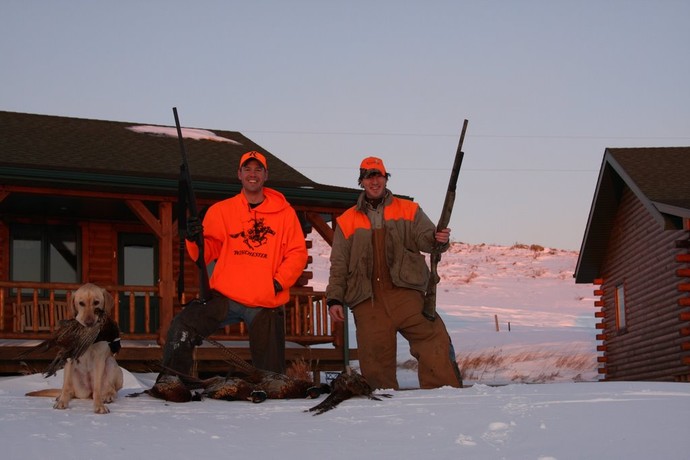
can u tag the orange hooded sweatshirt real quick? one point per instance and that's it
(252, 247)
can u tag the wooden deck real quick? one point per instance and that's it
(140, 357)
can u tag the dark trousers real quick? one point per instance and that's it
(199, 320)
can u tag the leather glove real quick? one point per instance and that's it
(194, 229)
(277, 287)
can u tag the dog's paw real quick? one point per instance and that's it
(100, 409)
(61, 403)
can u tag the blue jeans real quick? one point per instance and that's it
(196, 321)
(238, 313)
(266, 328)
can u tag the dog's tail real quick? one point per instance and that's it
(49, 392)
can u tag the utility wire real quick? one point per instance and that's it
(482, 136)
(464, 169)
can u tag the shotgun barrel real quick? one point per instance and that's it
(190, 199)
(430, 296)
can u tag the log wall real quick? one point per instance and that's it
(99, 253)
(642, 256)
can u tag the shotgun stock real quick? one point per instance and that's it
(430, 296)
(190, 202)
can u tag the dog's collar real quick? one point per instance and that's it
(115, 345)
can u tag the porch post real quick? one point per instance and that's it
(166, 285)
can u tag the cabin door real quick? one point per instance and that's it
(137, 254)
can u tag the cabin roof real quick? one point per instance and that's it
(658, 176)
(64, 152)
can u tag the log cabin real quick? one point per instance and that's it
(635, 252)
(96, 201)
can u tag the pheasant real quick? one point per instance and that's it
(347, 385)
(73, 338)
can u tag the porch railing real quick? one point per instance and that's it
(34, 310)
(135, 308)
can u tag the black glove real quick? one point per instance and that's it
(194, 229)
(277, 287)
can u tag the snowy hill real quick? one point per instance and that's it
(545, 320)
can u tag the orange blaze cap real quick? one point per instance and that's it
(253, 155)
(373, 163)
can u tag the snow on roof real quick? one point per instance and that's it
(187, 133)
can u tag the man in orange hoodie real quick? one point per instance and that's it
(257, 243)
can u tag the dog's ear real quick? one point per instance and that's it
(108, 301)
(73, 303)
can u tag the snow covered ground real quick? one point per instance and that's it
(545, 320)
(534, 392)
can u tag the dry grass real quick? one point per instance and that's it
(470, 277)
(299, 369)
(538, 272)
(536, 249)
(535, 366)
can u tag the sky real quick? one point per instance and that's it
(545, 86)
(538, 398)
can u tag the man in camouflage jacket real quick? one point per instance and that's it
(378, 270)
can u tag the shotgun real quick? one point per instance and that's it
(430, 296)
(188, 201)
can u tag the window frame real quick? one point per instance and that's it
(620, 301)
(46, 235)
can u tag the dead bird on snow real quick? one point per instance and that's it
(281, 386)
(274, 385)
(231, 389)
(243, 382)
(168, 388)
(256, 386)
(347, 385)
(173, 389)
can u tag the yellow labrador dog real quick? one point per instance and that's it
(95, 374)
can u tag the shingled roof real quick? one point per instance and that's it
(97, 154)
(658, 176)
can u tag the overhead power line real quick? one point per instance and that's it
(464, 169)
(480, 136)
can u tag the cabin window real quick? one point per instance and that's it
(620, 306)
(44, 253)
(138, 256)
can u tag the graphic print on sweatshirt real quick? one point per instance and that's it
(257, 235)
